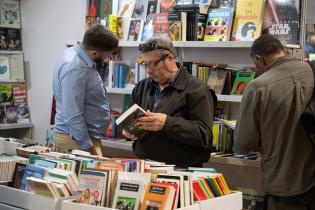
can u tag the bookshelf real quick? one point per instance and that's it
(10, 52)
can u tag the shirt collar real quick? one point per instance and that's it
(280, 61)
(84, 56)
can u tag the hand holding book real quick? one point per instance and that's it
(152, 122)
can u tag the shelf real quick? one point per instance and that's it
(12, 80)
(15, 126)
(236, 44)
(119, 90)
(235, 161)
(10, 52)
(229, 98)
(204, 44)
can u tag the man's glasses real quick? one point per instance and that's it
(154, 64)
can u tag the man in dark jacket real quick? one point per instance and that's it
(180, 110)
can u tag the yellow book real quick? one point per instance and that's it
(216, 185)
(113, 23)
(248, 20)
(223, 181)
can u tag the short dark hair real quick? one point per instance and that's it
(266, 45)
(100, 38)
(157, 44)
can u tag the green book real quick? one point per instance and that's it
(243, 78)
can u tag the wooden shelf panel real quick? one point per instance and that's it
(15, 126)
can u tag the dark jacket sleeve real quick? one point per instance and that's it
(196, 128)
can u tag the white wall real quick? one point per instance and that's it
(46, 26)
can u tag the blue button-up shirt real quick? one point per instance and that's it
(82, 108)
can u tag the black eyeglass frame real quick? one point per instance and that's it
(153, 66)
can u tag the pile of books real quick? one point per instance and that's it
(7, 165)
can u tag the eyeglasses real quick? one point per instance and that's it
(147, 47)
(154, 64)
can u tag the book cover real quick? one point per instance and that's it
(219, 22)
(92, 184)
(10, 13)
(243, 78)
(128, 118)
(31, 171)
(182, 2)
(3, 39)
(19, 93)
(152, 9)
(282, 20)
(11, 113)
(216, 79)
(90, 21)
(248, 20)
(18, 175)
(126, 8)
(128, 194)
(227, 3)
(148, 30)
(4, 68)
(135, 30)
(105, 8)
(160, 25)
(14, 39)
(113, 23)
(166, 5)
(200, 26)
(23, 113)
(140, 10)
(156, 197)
(16, 64)
(174, 26)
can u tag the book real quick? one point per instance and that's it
(105, 8)
(31, 171)
(216, 79)
(10, 13)
(91, 21)
(113, 24)
(16, 64)
(153, 8)
(18, 175)
(282, 20)
(19, 94)
(219, 22)
(148, 30)
(11, 113)
(241, 82)
(42, 187)
(4, 68)
(14, 39)
(3, 39)
(126, 8)
(248, 20)
(166, 5)
(227, 3)
(127, 120)
(160, 25)
(93, 8)
(140, 9)
(135, 30)
(92, 184)
(174, 26)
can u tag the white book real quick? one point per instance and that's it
(16, 67)
(4, 68)
(126, 8)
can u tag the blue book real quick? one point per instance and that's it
(31, 171)
(116, 75)
(123, 73)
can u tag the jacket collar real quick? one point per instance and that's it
(280, 61)
(84, 56)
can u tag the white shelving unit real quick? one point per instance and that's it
(12, 81)
(15, 126)
(10, 52)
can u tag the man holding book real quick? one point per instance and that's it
(270, 122)
(82, 108)
(180, 108)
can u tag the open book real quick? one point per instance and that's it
(127, 120)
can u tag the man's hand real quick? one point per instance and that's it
(129, 135)
(152, 122)
(91, 150)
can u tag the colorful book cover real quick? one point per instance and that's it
(282, 20)
(11, 113)
(14, 39)
(174, 26)
(113, 23)
(135, 30)
(243, 78)
(219, 22)
(126, 8)
(160, 25)
(10, 13)
(155, 196)
(152, 9)
(148, 30)
(166, 5)
(19, 94)
(105, 8)
(31, 171)
(140, 10)
(93, 9)
(248, 20)
(4, 68)
(18, 175)
(90, 21)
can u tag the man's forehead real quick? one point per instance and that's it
(151, 55)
